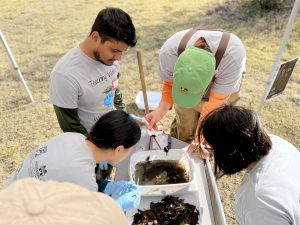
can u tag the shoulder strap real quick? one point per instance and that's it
(221, 48)
(185, 40)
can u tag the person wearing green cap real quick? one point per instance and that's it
(195, 81)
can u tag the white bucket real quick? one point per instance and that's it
(153, 99)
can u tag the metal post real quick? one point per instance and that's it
(15, 65)
(272, 75)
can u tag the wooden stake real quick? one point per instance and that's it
(142, 77)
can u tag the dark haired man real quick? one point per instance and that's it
(270, 191)
(84, 82)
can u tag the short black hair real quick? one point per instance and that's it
(236, 137)
(116, 24)
(113, 129)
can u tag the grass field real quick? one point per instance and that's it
(40, 32)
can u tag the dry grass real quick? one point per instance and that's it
(40, 32)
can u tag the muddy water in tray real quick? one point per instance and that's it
(158, 172)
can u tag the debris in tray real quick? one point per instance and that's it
(157, 172)
(171, 210)
(109, 173)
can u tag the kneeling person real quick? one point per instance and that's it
(270, 191)
(71, 157)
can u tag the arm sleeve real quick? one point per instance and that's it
(167, 92)
(118, 100)
(215, 100)
(69, 121)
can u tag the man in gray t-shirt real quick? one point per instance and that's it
(84, 82)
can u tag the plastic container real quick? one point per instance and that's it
(153, 99)
(165, 189)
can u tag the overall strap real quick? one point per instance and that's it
(222, 48)
(222, 45)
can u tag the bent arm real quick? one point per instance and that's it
(69, 121)
(167, 92)
(166, 102)
(164, 106)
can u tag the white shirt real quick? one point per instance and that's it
(270, 192)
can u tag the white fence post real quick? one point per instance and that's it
(15, 65)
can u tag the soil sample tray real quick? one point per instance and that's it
(191, 197)
(158, 172)
(153, 170)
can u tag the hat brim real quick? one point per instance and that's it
(186, 100)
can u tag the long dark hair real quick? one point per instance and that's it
(115, 23)
(113, 129)
(236, 137)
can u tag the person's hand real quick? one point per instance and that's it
(193, 148)
(103, 165)
(119, 187)
(203, 151)
(152, 118)
(199, 147)
(129, 200)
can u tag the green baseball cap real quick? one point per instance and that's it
(192, 74)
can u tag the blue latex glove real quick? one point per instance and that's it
(120, 187)
(103, 165)
(129, 200)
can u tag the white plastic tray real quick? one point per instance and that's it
(191, 197)
(165, 189)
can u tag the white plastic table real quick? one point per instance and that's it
(210, 207)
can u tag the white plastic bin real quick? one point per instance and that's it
(165, 189)
(153, 99)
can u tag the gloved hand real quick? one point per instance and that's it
(120, 187)
(103, 165)
(129, 200)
